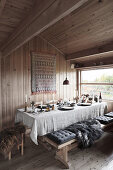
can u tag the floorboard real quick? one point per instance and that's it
(98, 157)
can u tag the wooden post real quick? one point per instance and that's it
(9, 156)
(62, 156)
(22, 145)
(80, 82)
(65, 154)
(18, 147)
(77, 83)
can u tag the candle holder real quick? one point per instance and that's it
(25, 106)
(41, 110)
(48, 108)
(32, 104)
(53, 107)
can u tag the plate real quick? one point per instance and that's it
(43, 106)
(72, 104)
(66, 108)
(83, 104)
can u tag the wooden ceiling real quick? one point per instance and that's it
(12, 12)
(77, 28)
(88, 27)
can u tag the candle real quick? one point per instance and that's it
(77, 93)
(93, 96)
(26, 98)
(41, 104)
(53, 97)
(74, 94)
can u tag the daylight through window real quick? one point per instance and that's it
(96, 81)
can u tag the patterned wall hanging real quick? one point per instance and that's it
(43, 73)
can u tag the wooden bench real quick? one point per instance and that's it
(65, 140)
(62, 150)
(62, 141)
(106, 122)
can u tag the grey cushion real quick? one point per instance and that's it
(104, 119)
(110, 114)
(61, 136)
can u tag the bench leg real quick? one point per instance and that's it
(22, 145)
(18, 147)
(62, 156)
(9, 156)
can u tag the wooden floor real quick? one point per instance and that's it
(98, 157)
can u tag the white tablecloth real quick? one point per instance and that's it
(46, 122)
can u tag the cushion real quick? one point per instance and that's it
(104, 119)
(110, 114)
(61, 136)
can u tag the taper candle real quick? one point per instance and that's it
(26, 98)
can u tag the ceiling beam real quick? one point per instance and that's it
(43, 16)
(100, 63)
(2, 5)
(105, 49)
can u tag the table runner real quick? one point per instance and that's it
(46, 122)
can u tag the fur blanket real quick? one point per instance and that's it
(9, 137)
(86, 132)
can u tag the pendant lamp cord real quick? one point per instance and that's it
(65, 56)
(66, 68)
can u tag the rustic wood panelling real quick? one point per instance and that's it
(11, 14)
(110, 106)
(41, 18)
(16, 78)
(2, 5)
(88, 27)
(0, 96)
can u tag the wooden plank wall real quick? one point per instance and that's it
(110, 106)
(0, 96)
(16, 78)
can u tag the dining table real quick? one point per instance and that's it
(43, 122)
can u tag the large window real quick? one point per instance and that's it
(96, 81)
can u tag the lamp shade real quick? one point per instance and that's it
(66, 82)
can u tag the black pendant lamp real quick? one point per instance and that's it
(66, 81)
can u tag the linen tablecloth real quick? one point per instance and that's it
(46, 122)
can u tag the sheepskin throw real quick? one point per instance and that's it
(86, 132)
(9, 137)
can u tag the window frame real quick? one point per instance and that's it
(89, 69)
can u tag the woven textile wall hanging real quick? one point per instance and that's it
(43, 73)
